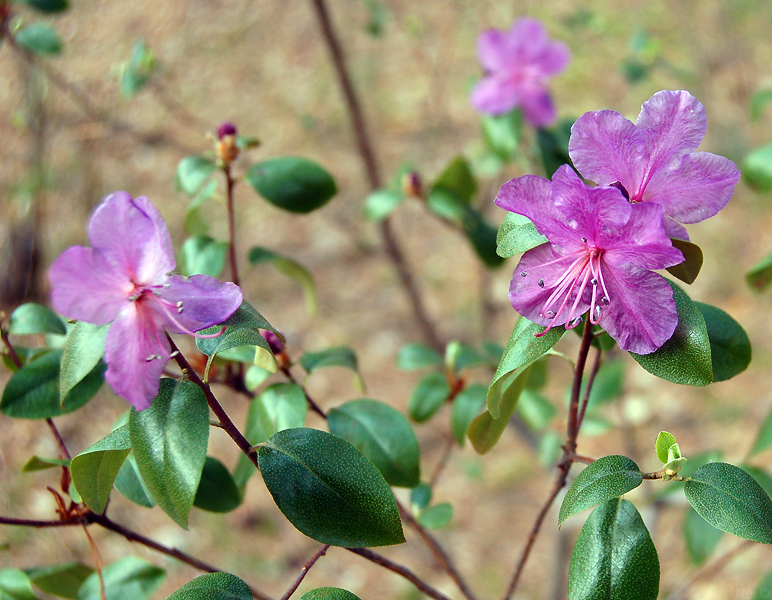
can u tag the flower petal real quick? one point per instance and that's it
(554, 58)
(205, 302)
(642, 313)
(537, 105)
(527, 39)
(137, 352)
(495, 95)
(131, 234)
(86, 287)
(694, 188)
(493, 50)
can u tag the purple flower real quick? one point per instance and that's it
(124, 279)
(517, 65)
(599, 257)
(654, 160)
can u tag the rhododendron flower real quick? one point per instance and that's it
(517, 65)
(124, 279)
(598, 259)
(654, 160)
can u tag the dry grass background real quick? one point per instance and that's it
(263, 65)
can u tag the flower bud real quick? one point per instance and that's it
(226, 148)
(274, 343)
(412, 185)
(226, 128)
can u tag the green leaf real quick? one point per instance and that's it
(94, 470)
(130, 485)
(502, 133)
(428, 397)
(764, 589)
(731, 500)
(685, 357)
(214, 586)
(169, 441)
(482, 236)
(602, 480)
(457, 179)
(204, 256)
(36, 463)
(420, 497)
(465, 407)
(534, 409)
(15, 584)
(761, 476)
(63, 580)
(730, 348)
(192, 172)
(416, 356)
(34, 318)
(523, 349)
(328, 490)
(763, 437)
(338, 356)
(553, 146)
(757, 169)
(383, 435)
(137, 72)
(614, 556)
(329, 593)
(39, 38)
(688, 270)
(83, 351)
(759, 101)
(48, 6)
(700, 536)
(381, 203)
(437, 516)
(760, 274)
(447, 206)
(129, 578)
(516, 235)
(290, 268)
(33, 391)
(217, 492)
(292, 183)
(662, 445)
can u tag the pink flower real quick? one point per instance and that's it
(124, 279)
(517, 65)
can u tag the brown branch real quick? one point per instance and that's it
(304, 571)
(311, 403)
(231, 226)
(42, 524)
(443, 462)
(399, 570)
(590, 381)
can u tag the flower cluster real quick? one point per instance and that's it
(124, 280)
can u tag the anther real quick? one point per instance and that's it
(605, 300)
(541, 283)
(576, 322)
(594, 281)
(598, 310)
(584, 240)
(179, 307)
(522, 273)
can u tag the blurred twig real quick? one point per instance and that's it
(304, 571)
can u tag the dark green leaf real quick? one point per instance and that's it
(294, 184)
(517, 234)
(420, 497)
(662, 445)
(383, 435)
(39, 38)
(214, 586)
(447, 206)
(700, 536)
(63, 580)
(138, 71)
(338, 356)
(437, 516)
(553, 146)
(482, 235)
(730, 348)
(130, 578)
(217, 492)
(83, 350)
(602, 480)
(688, 270)
(761, 476)
(502, 133)
(381, 203)
(33, 391)
(94, 470)
(130, 485)
(534, 409)
(15, 584)
(685, 357)
(764, 436)
(204, 256)
(465, 407)
(418, 356)
(428, 397)
(457, 179)
(192, 172)
(760, 274)
(614, 557)
(169, 441)
(48, 6)
(731, 500)
(328, 490)
(36, 463)
(329, 593)
(290, 268)
(757, 169)
(33, 318)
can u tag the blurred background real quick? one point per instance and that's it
(70, 136)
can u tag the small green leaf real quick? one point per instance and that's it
(416, 356)
(294, 184)
(685, 358)
(614, 556)
(214, 586)
(94, 470)
(602, 480)
(192, 172)
(482, 235)
(502, 133)
(129, 578)
(457, 179)
(290, 268)
(760, 274)
(553, 146)
(757, 169)
(688, 270)
(700, 536)
(763, 437)
(731, 500)
(759, 101)
(63, 580)
(130, 485)
(420, 497)
(37, 463)
(15, 584)
(204, 256)
(138, 70)
(329, 593)
(383, 435)
(465, 407)
(328, 490)
(217, 492)
(169, 441)
(437, 516)
(39, 38)
(428, 397)
(34, 318)
(730, 348)
(517, 235)
(381, 203)
(48, 6)
(663, 443)
(447, 206)
(338, 356)
(459, 357)
(241, 329)
(83, 351)
(534, 409)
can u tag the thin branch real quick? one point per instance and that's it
(231, 226)
(97, 556)
(304, 571)
(443, 462)
(370, 164)
(42, 524)
(709, 569)
(311, 403)
(399, 570)
(590, 381)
